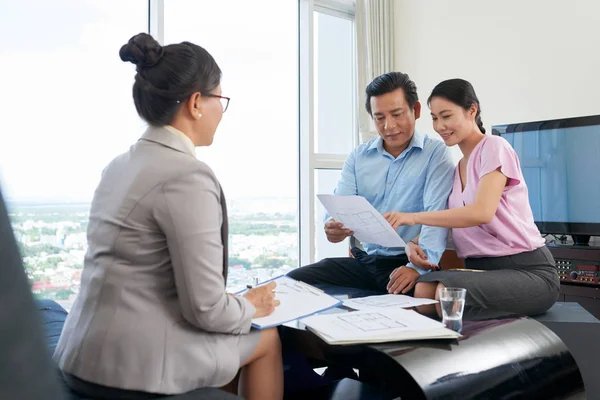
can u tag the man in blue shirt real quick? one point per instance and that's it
(401, 170)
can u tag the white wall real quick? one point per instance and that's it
(527, 59)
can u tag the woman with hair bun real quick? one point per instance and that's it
(152, 317)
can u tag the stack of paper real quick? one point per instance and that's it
(386, 302)
(298, 299)
(377, 327)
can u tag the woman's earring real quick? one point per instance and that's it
(199, 115)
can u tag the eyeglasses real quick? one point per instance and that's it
(224, 100)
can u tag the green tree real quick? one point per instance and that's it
(269, 261)
(47, 231)
(47, 248)
(31, 251)
(239, 261)
(53, 261)
(63, 294)
(259, 229)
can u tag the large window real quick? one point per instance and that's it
(334, 83)
(255, 153)
(66, 112)
(67, 108)
(328, 128)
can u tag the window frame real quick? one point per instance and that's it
(311, 161)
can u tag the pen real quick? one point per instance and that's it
(255, 282)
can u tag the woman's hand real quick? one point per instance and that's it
(417, 256)
(397, 219)
(263, 298)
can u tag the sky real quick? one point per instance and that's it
(66, 99)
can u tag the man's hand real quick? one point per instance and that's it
(402, 280)
(397, 219)
(263, 298)
(417, 256)
(336, 232)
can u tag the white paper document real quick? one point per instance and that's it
(298, 299)
(377, 327)
(358, 215)
(386, 302)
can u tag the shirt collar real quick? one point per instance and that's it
(376, 143)
(418, 140)
(184, 138)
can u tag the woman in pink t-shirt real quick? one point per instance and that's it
(489, 213)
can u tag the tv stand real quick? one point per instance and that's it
(578, 264)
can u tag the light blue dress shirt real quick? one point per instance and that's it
(419, 179)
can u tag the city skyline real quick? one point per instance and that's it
(53, 243)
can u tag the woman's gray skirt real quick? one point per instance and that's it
(524, 283)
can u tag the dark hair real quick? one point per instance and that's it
(167, 76)
(389, 82)
(461, 93)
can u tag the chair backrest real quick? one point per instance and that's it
(26, 369)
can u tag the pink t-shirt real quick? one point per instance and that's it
(512, 229)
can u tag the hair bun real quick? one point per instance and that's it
(142, 50)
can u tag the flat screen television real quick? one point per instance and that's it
(560, 160)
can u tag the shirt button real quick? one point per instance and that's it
(389, 183)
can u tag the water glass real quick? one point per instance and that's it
(452, 302)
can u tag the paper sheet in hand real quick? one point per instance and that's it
(386, 302)
(377, 327)
(298, 300)
(358, 215)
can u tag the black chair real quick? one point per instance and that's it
(26, 369)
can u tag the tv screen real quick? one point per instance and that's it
(560, 160)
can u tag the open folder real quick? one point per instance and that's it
(298, 299)
(377, 327)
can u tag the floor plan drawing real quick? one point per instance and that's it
(381, 301)
(366, 220)
(358, 215)
(384, 302)
(368, 322)
(290, 286)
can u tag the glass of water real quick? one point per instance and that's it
(452, 302)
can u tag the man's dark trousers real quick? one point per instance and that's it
(368, 272)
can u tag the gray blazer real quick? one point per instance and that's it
(152, 313)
